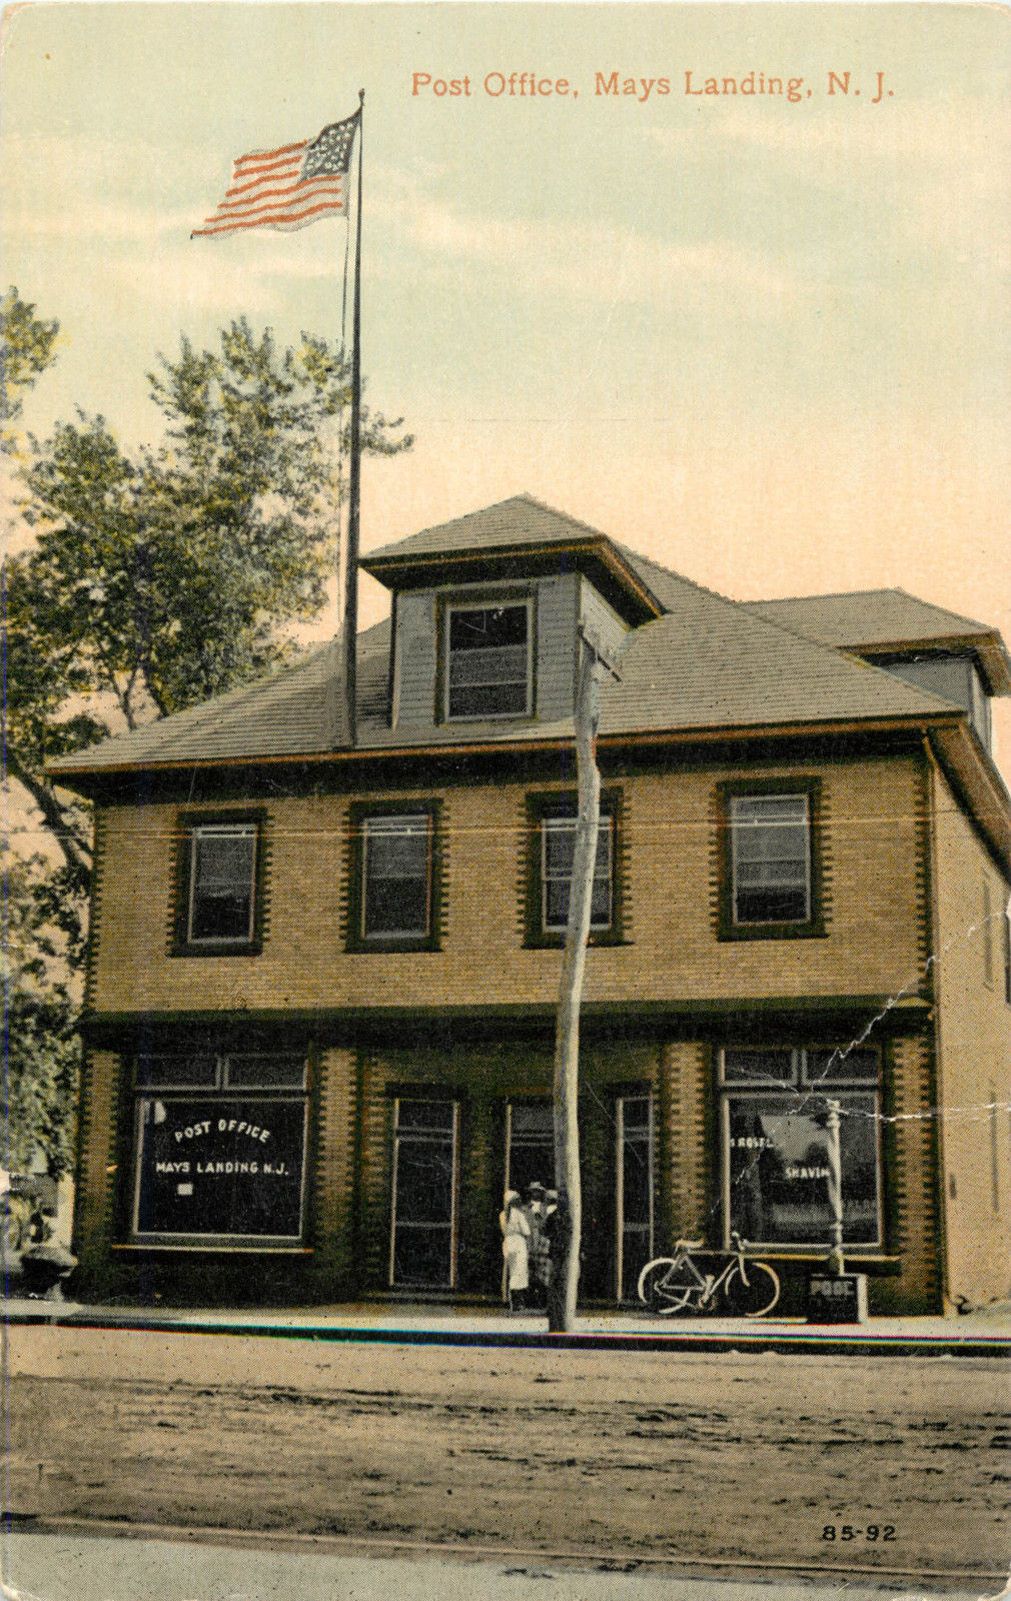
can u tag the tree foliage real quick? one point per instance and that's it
(42, 1055)
(27, 348)
(161, 576)
(164, 577)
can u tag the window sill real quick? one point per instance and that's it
(556, 942)
(226, 948)
(874, 1262)
(747, 931)
(392, 947)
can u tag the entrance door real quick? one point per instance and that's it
(423, 1223)
(530, 1145)
(634, 1244)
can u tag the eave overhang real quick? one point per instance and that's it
(595, 557)
(987, 650)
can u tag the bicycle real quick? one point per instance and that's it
(671, 1284)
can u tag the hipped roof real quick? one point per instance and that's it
(705, 663)
(887, 622)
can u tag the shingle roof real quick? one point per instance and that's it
(708, 663)
(712, 663)
(887, 619)
(520, 519)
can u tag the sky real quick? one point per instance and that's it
(761, 336)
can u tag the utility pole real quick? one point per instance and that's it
(837, 1262)
(564, 1287)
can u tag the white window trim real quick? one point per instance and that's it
(549, 823)
(737, 825)
(235, 830)
(385, 823)
(506, 604)
(455, 1193)
(619, 1125)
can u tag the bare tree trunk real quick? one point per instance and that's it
(565, 1268)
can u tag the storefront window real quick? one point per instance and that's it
(219, 1148)
(775, 1138)
(423, 1223)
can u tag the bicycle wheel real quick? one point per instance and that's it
(668, 1285)
(754, 1295)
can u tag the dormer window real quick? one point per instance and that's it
(489, 661)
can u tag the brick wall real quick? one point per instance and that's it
(974, 1057)
(669, 861)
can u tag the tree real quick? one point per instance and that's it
(27, 348)
(161, 578)
(156, 578)
(42, 1056)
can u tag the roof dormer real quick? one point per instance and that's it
(488, 609)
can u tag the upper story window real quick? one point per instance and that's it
(770, 871)
(489, 661)
(770, 841)
(551, 831)
(222, 882)
(219, 885)
(396, 855)
(558, 844)
(393, 877)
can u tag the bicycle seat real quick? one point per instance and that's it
(690, 1245)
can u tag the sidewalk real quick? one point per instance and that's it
(78, 1567)
(985, 1334)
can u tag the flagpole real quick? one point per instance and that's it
(350, 620)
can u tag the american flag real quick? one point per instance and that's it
(290, 187)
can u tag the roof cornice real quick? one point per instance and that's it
(623, 739)
(388, 569)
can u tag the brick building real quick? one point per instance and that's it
(319, 1012)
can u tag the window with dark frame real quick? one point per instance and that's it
(221, 901)
(775, 1144)
(770, 858)
(488, 661)
(558, 843)
(394, 875)
(219, 1155)
(423, 1213)
(551, 837)
(397, 877)
(770, 838)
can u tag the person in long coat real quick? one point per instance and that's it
(540, 1267)
(516, 1249)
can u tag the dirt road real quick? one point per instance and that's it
(766, 1458)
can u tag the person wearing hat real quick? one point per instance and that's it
(540, 1264)
(516, 1249)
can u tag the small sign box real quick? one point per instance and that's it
(837, 1298)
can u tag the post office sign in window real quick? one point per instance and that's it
(227, 1168)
